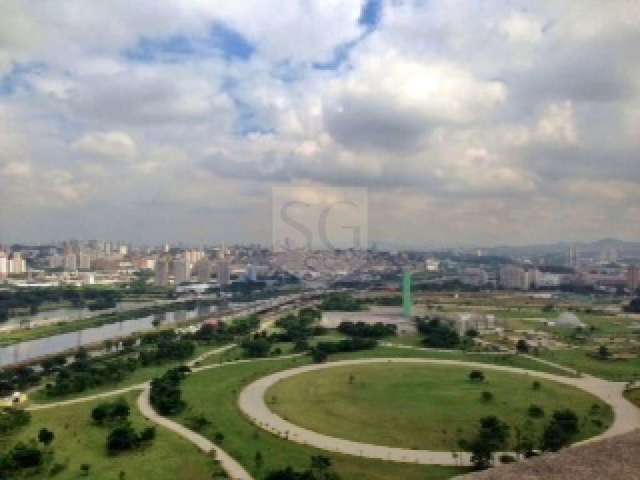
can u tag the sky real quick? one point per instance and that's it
(469, 123)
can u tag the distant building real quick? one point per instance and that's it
(202, 270)
(181, 271)
(252, 273)
(17, 264)
(84, 261)
(475, 277)
(4, 266)
(70, 262)
(573, 256)
(515, 278)
(633, 277)
(162, 272)
(224, 273)
(432, 265)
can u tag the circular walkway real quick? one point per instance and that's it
(252, 403)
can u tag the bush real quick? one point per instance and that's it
(111, 412)
(535, 411)
(487, 397)
(476, 376)
(12, 419)
(437, 335)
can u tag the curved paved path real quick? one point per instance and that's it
(252, 404)
(232, 467)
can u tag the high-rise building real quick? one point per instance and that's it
(573, 256)
(202, 269)
(224, 273)
(633, 277)
(70, 262)
(4, 265)
(84, 261)
(162, 272)
(515, 278)
(17, 264)
(181, 271)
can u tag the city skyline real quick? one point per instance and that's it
(486, 124)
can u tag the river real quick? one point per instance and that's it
(34, 349)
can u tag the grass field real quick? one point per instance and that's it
(418, 406)
(78, 441)
(578, 358)
(517, 361)
(633, 396)
(213, 393)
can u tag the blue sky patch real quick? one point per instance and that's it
(221, 40)
(371, 13)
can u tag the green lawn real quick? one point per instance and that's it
(418, 406)
(516, 361)
(213, 393)
(78, 440)
(633, 396)
(578, 358)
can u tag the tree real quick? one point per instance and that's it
(100, 413)
(522, 346)
(560, 431)
(121, 439)
(487, 397)
(148, 435)
(24, 456)
(45, 436)
(476, 376)
(492, 435)
(257, 347)
(634, 306)
(437, 334)
(603, 353)
(319, 355)
(535, 411)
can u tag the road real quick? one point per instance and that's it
(252, 404)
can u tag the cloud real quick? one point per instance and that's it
(116, 145)
(493, 121)
(521, 28)
(390, 102)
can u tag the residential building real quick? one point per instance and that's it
(633, 277)
(513, 277)
(224, 273)
(181, 271)
(162, 272)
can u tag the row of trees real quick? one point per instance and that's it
(85, 372)
(341, 302)
(361, 329)
(33, 299)
(320, 353)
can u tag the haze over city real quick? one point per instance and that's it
(470, 123)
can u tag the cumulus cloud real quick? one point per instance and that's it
(521, 28)
(116, 145)
(487, 118)
(389, 101)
